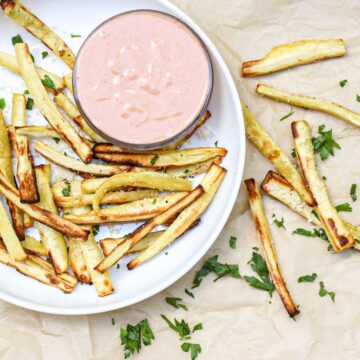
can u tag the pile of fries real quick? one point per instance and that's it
(121, 187)
(303, 191)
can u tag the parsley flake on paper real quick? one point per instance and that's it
(324, 144)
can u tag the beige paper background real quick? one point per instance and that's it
(239, 322)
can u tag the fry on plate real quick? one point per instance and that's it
(44, 216)
(24, 17)
(52, 239)
(335, 228)
(186, 218)
(10, 63)
(293, 54)
(138, 234)
(264, 236)
(256, 133)
(32, 246)
(7, 170)
(36, 131)
(47, 106)
(134, 211)
(68, 82)
(164, 158)
(78, 166)
(308, 102)
(152, 180)
(25, 163)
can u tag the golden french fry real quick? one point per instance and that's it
(7, 170)
(133, 211)
(44, 216)
(32, 246)
(256, 133)
(293, 54)
(52, 239)
(28, 221)
(335, 228)
(47, 106)
(149, 179)
(25, 162)
(10, 63)
(308, 102)
(138, 234)
(68, 82)
(70, 163)
(38, 131)
(24, 17)
(264, 236)
(73, 113)
(186, 218)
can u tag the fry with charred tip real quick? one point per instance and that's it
(138, 234)
(308, 102)
(264, 236)
(335, 228)
(256, 133)
(25, 163)
(186, 218)
(47, 106)
(293, 54)
(24, 17)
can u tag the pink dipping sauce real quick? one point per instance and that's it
(142, 77)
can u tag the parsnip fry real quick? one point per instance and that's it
(7, 170)
(133, 211)
(28, 221)
(117, 197)
(68, 82)
(310, 103)
(44, 216)
(9, 236)
(149, 179)
(163, 159)
(186, 218)
(268, 247)
(73, 113)
(38, 131)
(52, 239)
(33, 246)
(138, 234)
(92, 254)
(47, 106)
(335, 228)
(293, 54)
(10, 63)
(32, 269)
(25, 162)
(77, 262)
(256, 133)
(24, 17)
(70, 163)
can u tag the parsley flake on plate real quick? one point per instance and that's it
(154, 159)
(324, 144)
(29, 104)
(44, 54)
(2, 103)
(66, 190)
(344, 207)
(46, 81)
(342, 83)
(95, 229)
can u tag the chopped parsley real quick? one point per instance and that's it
(95, 229)
(293, 153)
(324, 178)
(75, 35)
(264, 282)
(232, 242)
(278, 223)
(307, 278)
(353, 192)
(344, 207)
(154, 159)
(112, 321)
(212, 265)
(287, 115)
(17, 40)
(44, 54)
(46, 81)
(324, 144)
(65, 153)
(194, 349)
(29, 104)
(357, 97)
(2, 103)
(56, 139)
(303, 232)
(133, 335)
(319, 233)
(197, 327)
(118, 266)
(181, 327)
(175, 302)
(216, 143)
(154, 201)
(342, 83)
(323, 292)
(66, 190)
(189, 293)
(26, 92)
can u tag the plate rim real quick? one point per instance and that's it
(217, 230)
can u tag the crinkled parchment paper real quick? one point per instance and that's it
(239, 322)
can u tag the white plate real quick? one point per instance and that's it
(225, 126)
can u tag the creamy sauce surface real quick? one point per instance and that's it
(142, 77)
